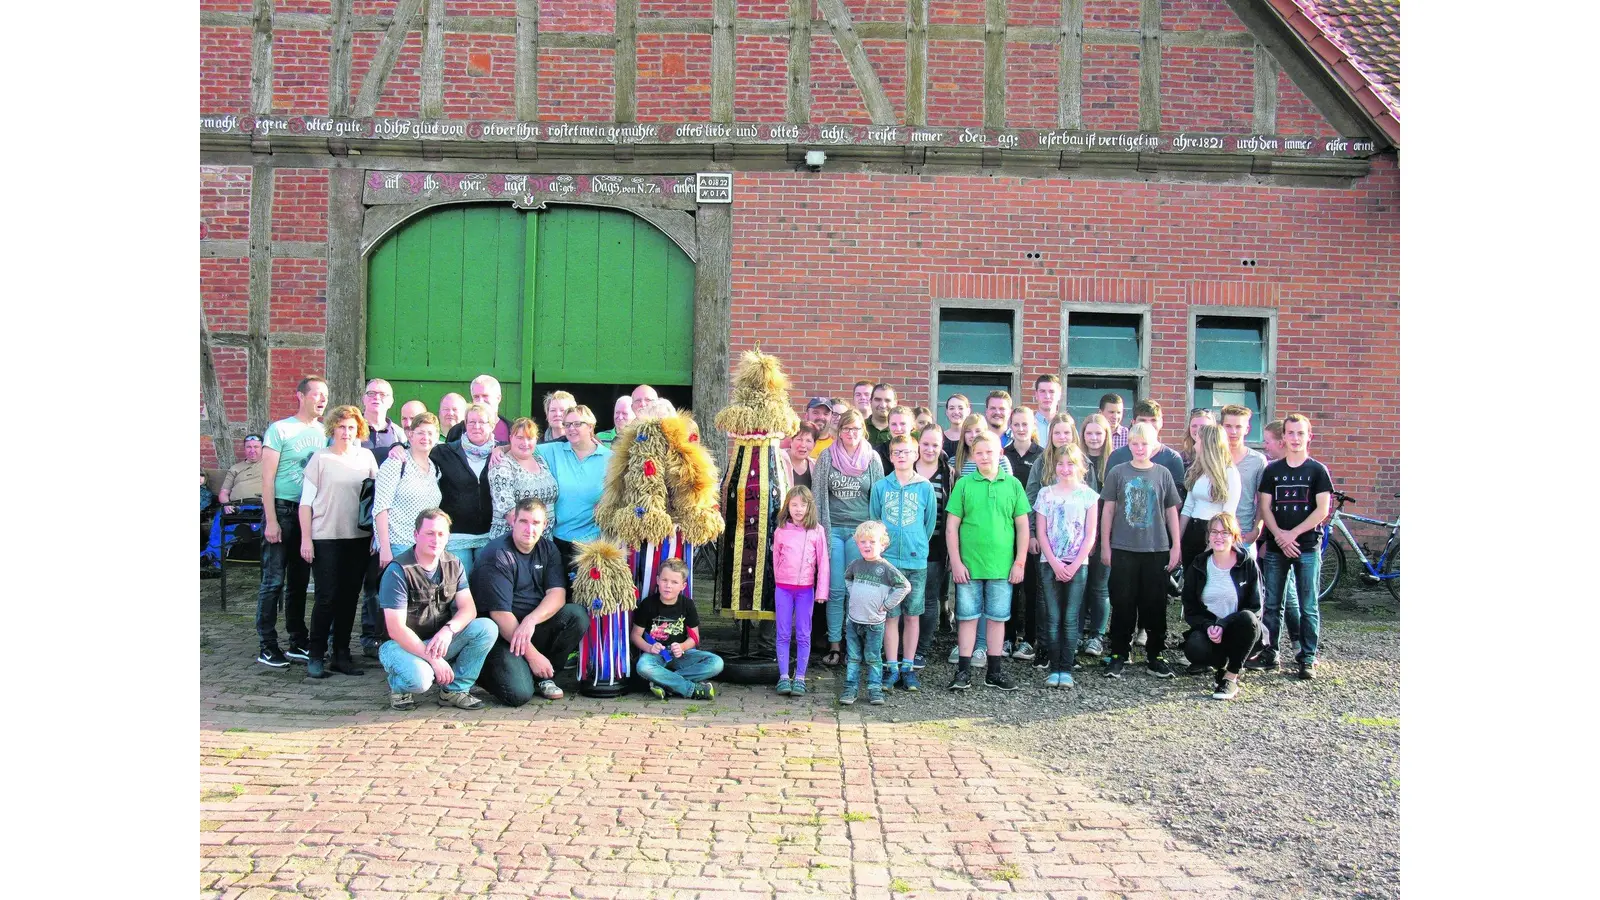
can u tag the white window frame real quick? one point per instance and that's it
(1269, 337)
(937, 368)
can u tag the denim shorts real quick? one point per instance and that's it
(990, 598)
(917, 600)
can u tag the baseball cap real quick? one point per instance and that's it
(819, 401)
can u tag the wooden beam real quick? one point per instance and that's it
(994, 63)
(339, 59)
(1306, 70)
(527, 60)
(713, 310)
(432, 105)
(916, 62)
(261, 59)
(1069, 66)
(798, 96)
(258, 316)
(1149, 65)
(625, 62)
(383, 61)
(879, 110)
(216, 424)
(345, 336)
(723, 59)
(1266, 92)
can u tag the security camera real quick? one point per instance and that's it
(815, 160)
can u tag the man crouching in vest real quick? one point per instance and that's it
(434, 633)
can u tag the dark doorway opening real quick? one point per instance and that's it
(602, 399)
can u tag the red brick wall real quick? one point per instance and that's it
(761, 92)
(300, 205)
(480, 79)
(1207, 88)
(402, 93)
(224, 203)
(224, 70)
(1110, 98)
(674, 78)
(575, 85)
(1122, 14)
(1297, 114)
(225, 294)
(299, 295)
(810, 252)
(578, 15)
(1031, 71)
(301, 68)
(1198, 15)
(955, 82)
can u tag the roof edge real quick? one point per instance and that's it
(1341, 65)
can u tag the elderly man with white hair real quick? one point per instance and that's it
(642, 395)
(621, 415)
(485, 390)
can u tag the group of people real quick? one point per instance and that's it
(453, 535)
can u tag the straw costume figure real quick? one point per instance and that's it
(660, 502)
(753, 490)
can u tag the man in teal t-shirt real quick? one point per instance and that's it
(987, 534)
(289, 444)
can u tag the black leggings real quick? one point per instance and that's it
(1241, 632)
(1138, 597)
(339, 566)
(1193, 541)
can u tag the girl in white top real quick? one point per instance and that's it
(1214, 488)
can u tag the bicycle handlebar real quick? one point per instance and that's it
(1343, 498)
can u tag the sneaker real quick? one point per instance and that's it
(797, 688)
(370, 651)
(1227, 690)
(1307, 671)
(980, 657)
(460, 700)
(1159, 668)
(549, 690)
(875, 696)
(1114, 668)
(1094, 647)
(962, 681)
(920, 663)
(658, 691)
(1052, 680)
(402, 702)
(955, 655)
(909, 682)
(705, 691)
(1197, 669)
(1005, 649)
(315, 668)
(1265, 661)
(891, 675)
(785, 686)
(1064, 679)
(272, 656)
(999, 680)
(848, 695)
(1024, 650)
(298, 653)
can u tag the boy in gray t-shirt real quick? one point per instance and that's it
(1140, 524)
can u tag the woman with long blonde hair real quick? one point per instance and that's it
(962, 464)
(1214, 487)
(1096, 444)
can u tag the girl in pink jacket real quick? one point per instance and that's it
(799, 566)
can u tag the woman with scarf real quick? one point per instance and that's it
(464, 484)
(842, 480)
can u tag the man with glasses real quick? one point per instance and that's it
(485, 390)
(382, 431)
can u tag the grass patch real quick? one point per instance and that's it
(854, 816)
(209, 824)
(692, 708)
(227, 793)
(1007, 872)
(900, 886)
(620, 715)
(1373, 722)
(812, 760)
(235, 730)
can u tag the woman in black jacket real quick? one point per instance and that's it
(1222, 604)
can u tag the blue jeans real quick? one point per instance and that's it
(411, 674)
(864, 644)
(467, 556)
(842, 551)
(284, 576)
(933, 598)
(1063, 614)
(1300, 613)
(682, 674)
(1097, 600)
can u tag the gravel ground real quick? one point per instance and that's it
(1295, 784)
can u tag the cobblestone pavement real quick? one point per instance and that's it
(318, 789)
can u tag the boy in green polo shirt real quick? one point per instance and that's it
(987, 534)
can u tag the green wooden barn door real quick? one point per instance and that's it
(613, 301)
(445, 296)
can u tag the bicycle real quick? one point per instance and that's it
(1384, 570)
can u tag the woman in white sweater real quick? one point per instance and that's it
(1213, 484)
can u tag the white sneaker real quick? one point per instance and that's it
(1023, 650)
(1094, 647)
(955, 655)
(980, 656)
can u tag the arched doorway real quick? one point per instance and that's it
(590, 300)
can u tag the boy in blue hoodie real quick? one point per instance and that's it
(905, 503)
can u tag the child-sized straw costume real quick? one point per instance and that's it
(757, 479)
(660, 502)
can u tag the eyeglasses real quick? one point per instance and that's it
(374, 395)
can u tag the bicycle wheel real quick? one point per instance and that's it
(1332, 568)
(1391, 567)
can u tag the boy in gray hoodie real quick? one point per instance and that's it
(874, 587)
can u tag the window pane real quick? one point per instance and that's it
(976, 386)
(1215, 394)
(1229, 344)
(1096, 341)
(975, 336)
(1083, 396)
